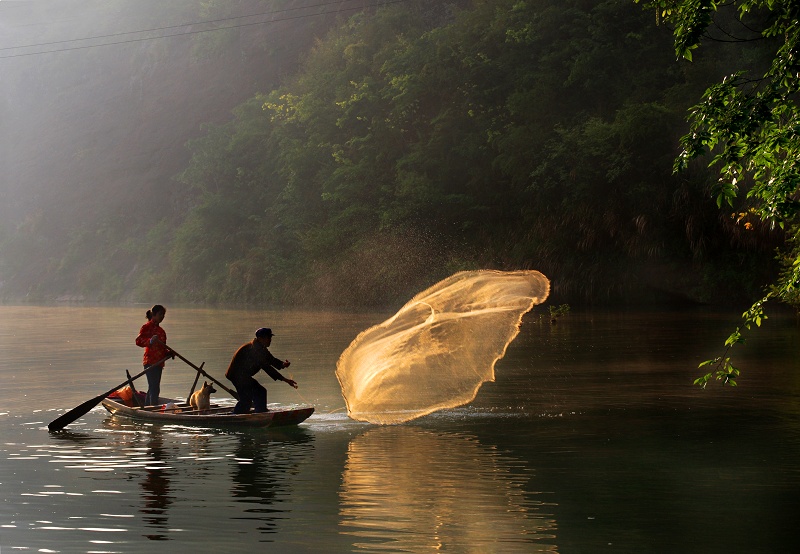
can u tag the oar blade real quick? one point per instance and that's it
(79, 411)
(61, 422)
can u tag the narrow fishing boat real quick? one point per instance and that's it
(125, 401)
(170, 410)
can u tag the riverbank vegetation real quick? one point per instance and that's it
(416, 139)
(747, 125)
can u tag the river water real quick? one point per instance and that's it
(591, 439)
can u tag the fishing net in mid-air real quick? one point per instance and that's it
(439, 349)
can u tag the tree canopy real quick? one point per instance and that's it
(421, 138)
(416, 141)
(748, 128)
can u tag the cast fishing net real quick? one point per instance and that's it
(438, 350)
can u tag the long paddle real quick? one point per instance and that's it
(133, 390)
(196, 379)
(202, 371)
(67, 418)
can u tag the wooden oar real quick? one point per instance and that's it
(133, 390)
(67, 418)
(196, 379)
(202, 371)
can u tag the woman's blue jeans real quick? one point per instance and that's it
(153, 384)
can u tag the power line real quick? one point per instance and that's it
(207, 22)
(340, 9)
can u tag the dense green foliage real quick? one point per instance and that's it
(748, 125)
(510, 134)
(422, 138)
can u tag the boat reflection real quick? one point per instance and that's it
(143, 450)
(156, 489)
(262, 475)
(412, 490)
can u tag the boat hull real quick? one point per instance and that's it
(217, 416)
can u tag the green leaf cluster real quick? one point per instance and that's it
(747, 126)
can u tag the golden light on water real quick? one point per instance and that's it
(440, 491)
(437, 351)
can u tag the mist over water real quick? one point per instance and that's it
(437, 351)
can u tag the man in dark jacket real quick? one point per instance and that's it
(248, 360)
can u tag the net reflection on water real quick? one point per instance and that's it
(408, 489)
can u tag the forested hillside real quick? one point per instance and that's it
(414, 139)
(93, 131)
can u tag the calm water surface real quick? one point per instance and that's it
(592, 439)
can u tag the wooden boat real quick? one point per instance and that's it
(172, 411)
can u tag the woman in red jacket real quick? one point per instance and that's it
(154, 341)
